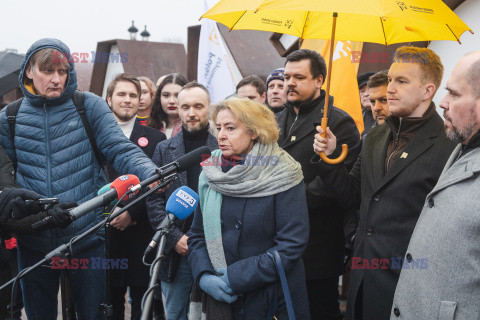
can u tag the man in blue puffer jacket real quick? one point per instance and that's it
(54, 158)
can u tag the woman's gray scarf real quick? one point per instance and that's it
(265, 171)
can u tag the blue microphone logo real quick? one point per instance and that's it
(186, 197)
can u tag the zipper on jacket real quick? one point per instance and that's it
(397, 143)
(290, 130)
(47, 145)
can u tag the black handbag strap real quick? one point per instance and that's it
(283, 280)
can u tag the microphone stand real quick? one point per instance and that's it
(108, 306)
(154, 270)
(67, 248)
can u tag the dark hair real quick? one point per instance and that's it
(124, 77)
(317, 63)
(195, 84)
(255, 81)
(158, 115)
(378, 79)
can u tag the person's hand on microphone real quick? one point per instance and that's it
(181, 246)
(61, 215)
(12, 203)
(327, 144)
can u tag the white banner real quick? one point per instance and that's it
(215, 66)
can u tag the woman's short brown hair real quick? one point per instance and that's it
(256, 116)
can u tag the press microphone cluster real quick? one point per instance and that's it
(117, 189)
(131, 185)
(180, 205)
(183, 163)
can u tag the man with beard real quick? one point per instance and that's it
(377, 90)
(175, 274)
(305, 72)
(445, 284)
(130, 232)
(399, 165)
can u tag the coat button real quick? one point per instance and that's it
(238, 224)
(431, 203)
(376, 197)
(409, 257)
(396, 312)
(369, 232)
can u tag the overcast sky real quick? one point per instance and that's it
(81, 24)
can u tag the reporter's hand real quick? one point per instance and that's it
(61, 215)
(122, 221)
(327, 144)
(217, 288)
(156, 183)
(181, 246)
(12, 203)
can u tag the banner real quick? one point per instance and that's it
(215, 67)
(343, 87)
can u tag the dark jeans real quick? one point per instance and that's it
(40, 288)
(118, 302)
(4, 277)
(323, 299)
(17, 298)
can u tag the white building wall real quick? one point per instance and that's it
(450, 51)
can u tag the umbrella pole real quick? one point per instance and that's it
(327, 98)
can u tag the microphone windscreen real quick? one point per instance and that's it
(182, 202)
(104, 189)
(123, 183)
(192, 158)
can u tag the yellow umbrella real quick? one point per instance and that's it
(379, 21)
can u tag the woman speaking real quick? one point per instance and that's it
(252, 201)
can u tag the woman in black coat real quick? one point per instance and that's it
(252, 201)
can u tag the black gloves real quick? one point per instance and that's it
(12, 204)
(60, 214)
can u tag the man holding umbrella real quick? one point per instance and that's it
(305, 72)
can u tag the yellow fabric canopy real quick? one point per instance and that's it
(378, 21)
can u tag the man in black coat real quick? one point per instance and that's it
(130, 232)
(304, 75)
(399, 165)
(175, 273)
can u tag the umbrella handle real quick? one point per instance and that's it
(322, 155)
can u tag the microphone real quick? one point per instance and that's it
(180, 206)
(116, 191)
(183, 163)
(104, 189)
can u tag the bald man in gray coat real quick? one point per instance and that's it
(440, 277)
